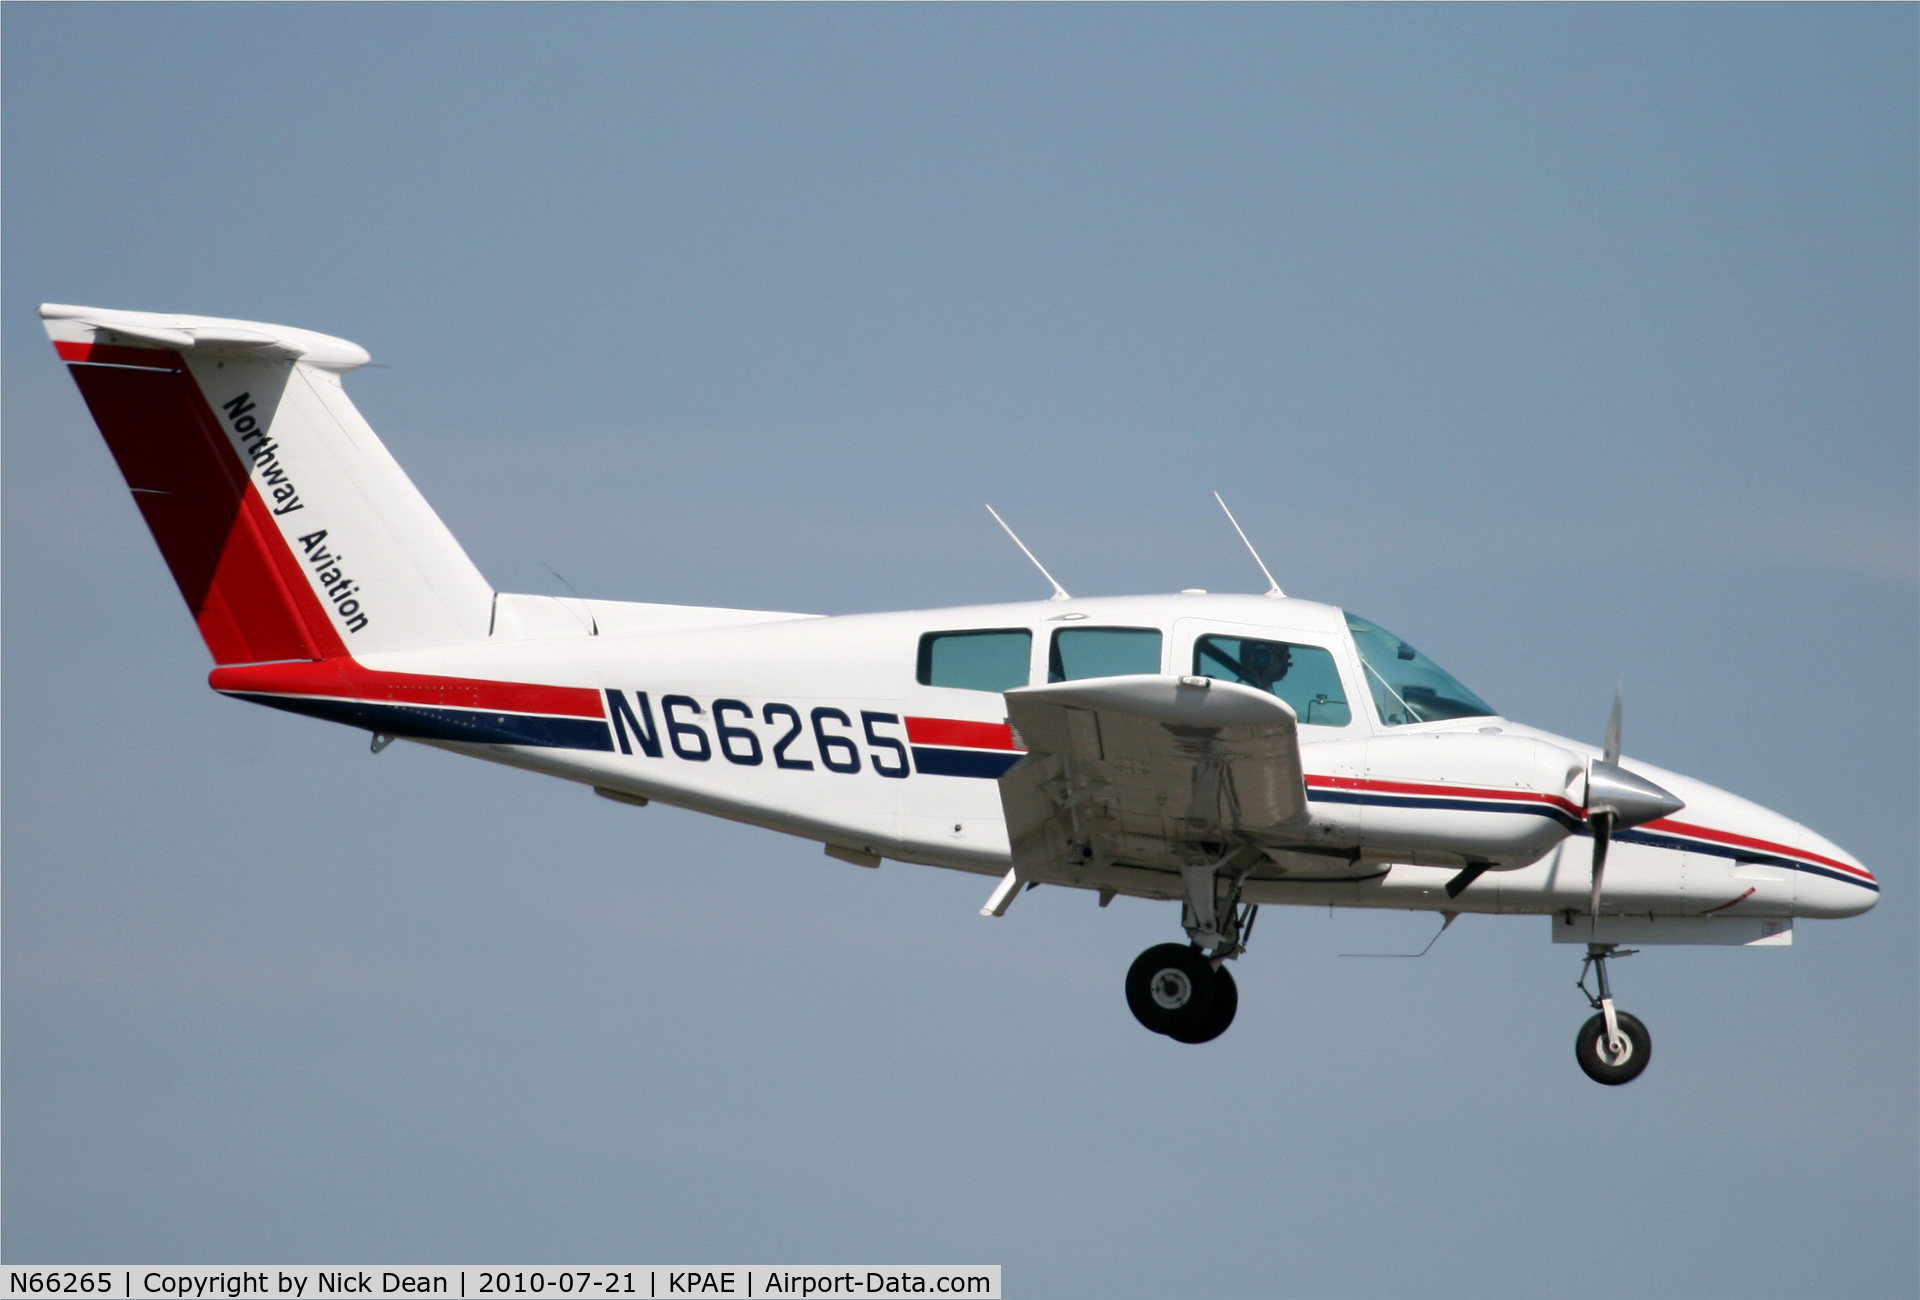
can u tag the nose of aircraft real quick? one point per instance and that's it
(1832, 882)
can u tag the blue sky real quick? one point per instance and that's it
(1574, 344)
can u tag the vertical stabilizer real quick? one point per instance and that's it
(291, 531)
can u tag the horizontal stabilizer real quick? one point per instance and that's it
(85, 327)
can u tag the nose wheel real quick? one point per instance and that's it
(1613, 1046)
(1173, 989)
(1605, 1062)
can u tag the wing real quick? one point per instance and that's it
(1148, 772)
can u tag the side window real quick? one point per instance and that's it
(992, 660)
(1079, 652)
(1302, 675)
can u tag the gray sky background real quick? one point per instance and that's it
(1572, 343)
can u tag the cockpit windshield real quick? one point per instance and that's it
(1407, 686)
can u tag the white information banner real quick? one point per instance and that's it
(479, 1282)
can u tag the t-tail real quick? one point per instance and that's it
(292, 533)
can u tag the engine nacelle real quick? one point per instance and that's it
(1448, 798)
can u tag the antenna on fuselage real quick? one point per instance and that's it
(1059, 592)
(1273, 588)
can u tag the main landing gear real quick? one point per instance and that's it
(1185, 991)
(1173, 989)
(1613, 1047)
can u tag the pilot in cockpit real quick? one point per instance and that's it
(1264, 663)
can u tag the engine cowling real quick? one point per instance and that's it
(1449, 798)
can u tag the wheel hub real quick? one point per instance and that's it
(1605, 1052)
(1172, 989)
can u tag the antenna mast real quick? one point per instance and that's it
(1059, 592)
(1273, 588)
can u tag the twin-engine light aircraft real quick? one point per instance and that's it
(1222, 752)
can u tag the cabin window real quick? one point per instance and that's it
(1302, 675)
(995, 659)
(1081, 652)
(1406, 685)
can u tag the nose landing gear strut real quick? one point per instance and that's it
(1613, 1046)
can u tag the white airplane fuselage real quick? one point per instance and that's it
(919, 788)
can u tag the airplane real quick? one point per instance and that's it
(1219, 751)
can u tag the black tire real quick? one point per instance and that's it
(1226, 1001)
(1591, 1050)
(1170, 988)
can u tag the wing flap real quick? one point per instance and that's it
(1146, 771)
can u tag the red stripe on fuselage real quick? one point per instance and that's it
(1441, 791)
(1672, 827)
(1664, 824)
(966, 735)
(347, 680)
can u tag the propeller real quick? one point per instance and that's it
(1617, 800)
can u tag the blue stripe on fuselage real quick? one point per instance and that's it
(474, 726)
(1656, 840)
(962, 762)
(1652, 839)
(1451, 805)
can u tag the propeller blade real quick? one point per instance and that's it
(1618, 800)
(1602, 824)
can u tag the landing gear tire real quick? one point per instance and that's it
(1170, 987)
(1600, 1064)
(1226, 1001)
(1173, 989)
